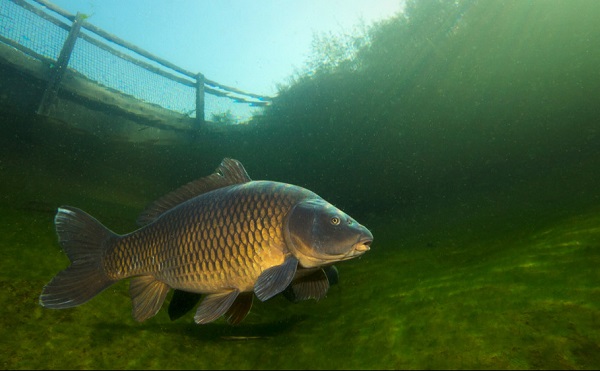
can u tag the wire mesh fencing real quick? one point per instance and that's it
(113, 63)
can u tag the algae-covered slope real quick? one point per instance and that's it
(489, 279)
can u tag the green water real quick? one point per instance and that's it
(485, 280)
(479, 176)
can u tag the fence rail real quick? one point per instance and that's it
(130, 54)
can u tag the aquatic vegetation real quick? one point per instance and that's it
(224, 118)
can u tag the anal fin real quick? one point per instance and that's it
(240, 308)
(147, 296)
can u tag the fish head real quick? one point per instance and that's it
(318, 233)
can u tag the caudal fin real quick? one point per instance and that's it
(84, 240)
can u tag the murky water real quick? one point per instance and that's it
(479, 179)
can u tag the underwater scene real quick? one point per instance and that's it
(464, 135)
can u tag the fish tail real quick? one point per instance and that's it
(84, 240)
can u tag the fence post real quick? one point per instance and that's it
(61, 66)
(200, 99)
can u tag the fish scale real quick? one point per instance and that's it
(224, 236)
(205, 228)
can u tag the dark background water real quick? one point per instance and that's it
(466, 138)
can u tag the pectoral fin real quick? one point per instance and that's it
(214, 306)
(275, 279)
(312, 286)
(333, 275)
(147, 296)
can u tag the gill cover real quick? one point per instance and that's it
(318, 233)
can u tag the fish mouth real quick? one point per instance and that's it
(360, 247)
(363, 245)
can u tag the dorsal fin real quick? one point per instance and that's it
(228, 173)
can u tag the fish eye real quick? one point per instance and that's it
(335, 220)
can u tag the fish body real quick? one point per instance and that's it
(226, 238)
(224, 235)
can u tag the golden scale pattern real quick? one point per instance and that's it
(211, 243)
